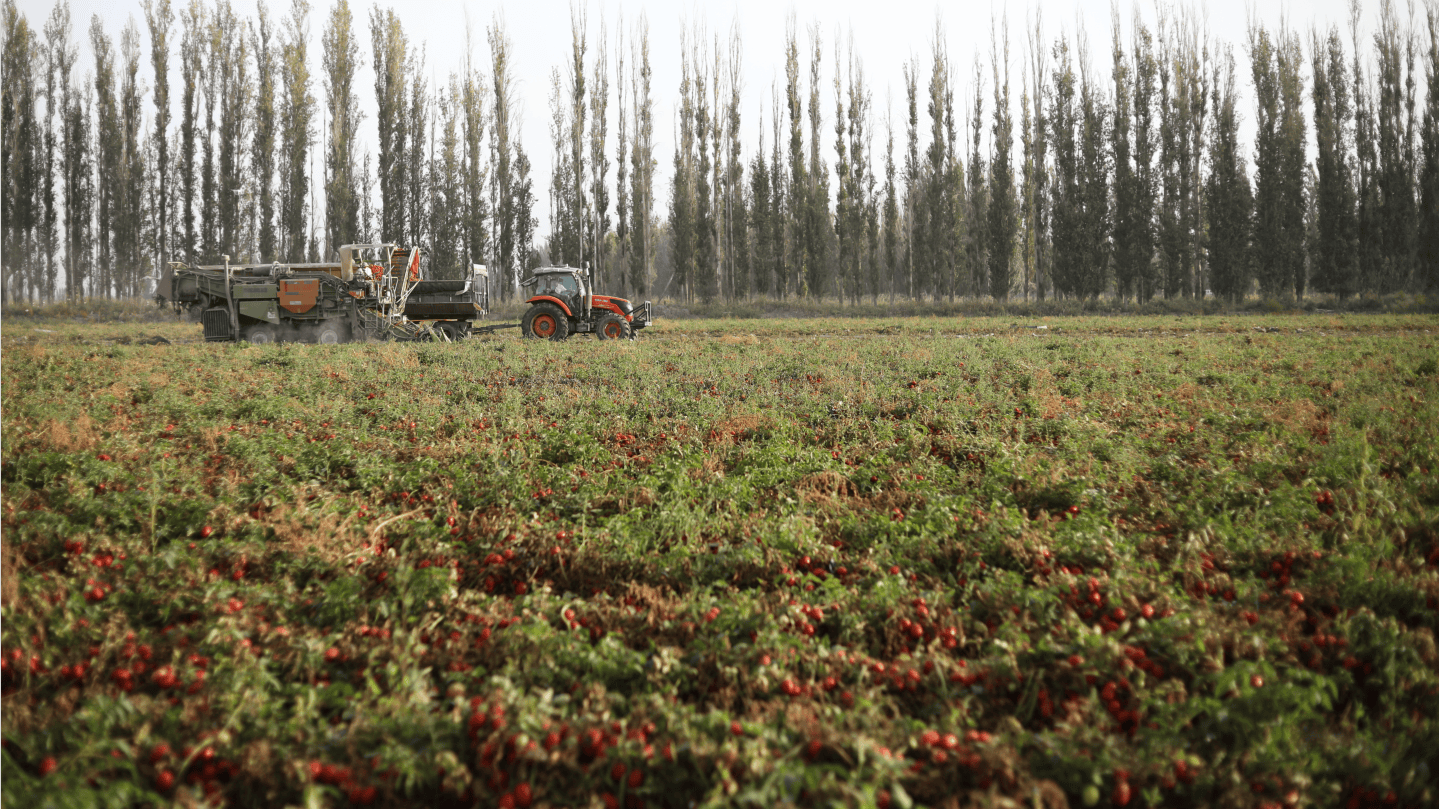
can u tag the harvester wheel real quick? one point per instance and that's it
(545, 321)
(331, 333)
(612, 327)
(258, 334)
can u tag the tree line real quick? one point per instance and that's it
(97, 195)
(1136, 185)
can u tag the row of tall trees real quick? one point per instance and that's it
(580, 191)
(1137, 185)
(98, 194)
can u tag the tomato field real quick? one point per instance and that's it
(1113, 561)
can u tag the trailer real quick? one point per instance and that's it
(373, 292)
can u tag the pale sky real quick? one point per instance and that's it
(885, 35)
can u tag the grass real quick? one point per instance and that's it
(1156, 560)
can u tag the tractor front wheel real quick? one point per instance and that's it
(545, 321)
(612, 327)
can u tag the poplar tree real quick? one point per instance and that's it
(1066, 202)
(19, 202)
(367, 205)
(1278, 163)
(717, 181)
(817, 216)
(1026, 187)
(942, 251)
(46, 266)
(392, 61)
(524, 203)
(1397, 162)
(576, 204)
(158, 18)
(844, 190)
(85, 192)
(642, 165)
(703, 273)
(1227, 191)
(1268, 186)
(1144, 143)
(1427, 265)
(559, 169)
(1292, 159)
(1334, 248)
(761, 221)
(108, 139)
(1170, 192)
(797, 198)
(1002, 223)
(1366, 162)
(778, 196)
(477, 230)
(1196, 111)
(1093, 181)
(622, 190)
(193, 41)
(263, 146)
(892, 221)
(60, 58)
(682, 193)
(447, 201)
(865, 214)
(599, 159)
(209, 232)
(736, 236)
(975, 278)
(416, 179)
(914, 258)
(853, 204)
(341, 59)
(297, 113)
(959, 219)
(1132, 151)
(1128, 252)
(130, 184)
(1038, 182)
(1183, 102)
(505, 151)
(74, 162)
(230, 52)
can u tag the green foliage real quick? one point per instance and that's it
(1278, 238)
(771, 567)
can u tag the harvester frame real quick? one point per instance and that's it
(374, 291)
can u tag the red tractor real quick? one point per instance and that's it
(563, 303)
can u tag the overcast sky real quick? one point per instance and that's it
(885, 35)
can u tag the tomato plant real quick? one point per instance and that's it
(1134, 561)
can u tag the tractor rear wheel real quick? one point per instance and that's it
(258, 334)
(545, 321)
(612, 327)
(332, 332)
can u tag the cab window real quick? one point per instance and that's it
(558, 285)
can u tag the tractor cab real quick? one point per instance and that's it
(564, 283)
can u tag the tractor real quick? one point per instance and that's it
(563, 303)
